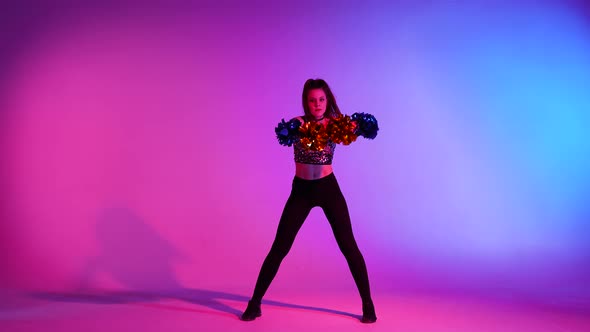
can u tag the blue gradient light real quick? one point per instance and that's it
(510, 85)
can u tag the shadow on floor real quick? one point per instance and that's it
(202, 297)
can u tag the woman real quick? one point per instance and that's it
(314, 184)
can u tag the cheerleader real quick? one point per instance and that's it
(314, 137)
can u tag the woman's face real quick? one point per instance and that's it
(317, 103)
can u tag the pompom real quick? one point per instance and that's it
(313, 136)
(366, 125)
(288, 132)
(341, 129)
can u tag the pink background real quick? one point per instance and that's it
(138, 150)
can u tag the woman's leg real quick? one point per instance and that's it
(336, 210)
(294, 214)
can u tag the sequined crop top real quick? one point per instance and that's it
(305, 156)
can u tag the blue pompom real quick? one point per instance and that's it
(288, 132)
(366, 125)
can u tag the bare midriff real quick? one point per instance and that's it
(311, 171)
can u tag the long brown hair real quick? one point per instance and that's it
(332, 109)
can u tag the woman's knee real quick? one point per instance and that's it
(279, 250)
(349, 249)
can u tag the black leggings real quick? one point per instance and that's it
(306, 194)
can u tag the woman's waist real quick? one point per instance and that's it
(312, 171)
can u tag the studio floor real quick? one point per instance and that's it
(217, 310)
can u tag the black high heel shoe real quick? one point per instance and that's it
(252, 311)
(368, 313)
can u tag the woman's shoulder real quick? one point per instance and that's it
(299, 118)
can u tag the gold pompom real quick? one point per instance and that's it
(341, 130)
(313, 136)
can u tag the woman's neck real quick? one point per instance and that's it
(312, 119)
